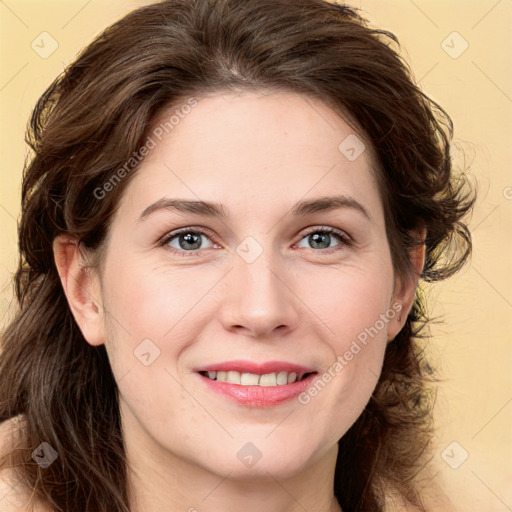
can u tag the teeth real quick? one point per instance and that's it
(233, 377)
(282, 378)
(251, 379)
(269, 379)
(292, 377)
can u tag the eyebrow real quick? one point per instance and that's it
(216, 210)
(329, 203)
(205, 208)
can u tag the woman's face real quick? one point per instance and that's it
(266, 282)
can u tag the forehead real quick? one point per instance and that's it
(241, 149)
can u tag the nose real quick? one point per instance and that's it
(259, 299)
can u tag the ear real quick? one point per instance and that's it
(405, 290)
(82, 288)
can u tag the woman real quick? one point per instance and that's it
(224, 224)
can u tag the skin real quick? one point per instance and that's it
(257, 155)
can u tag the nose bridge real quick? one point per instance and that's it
(261, 278)
(259, 299)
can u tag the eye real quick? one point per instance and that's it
(322, 238)
(187, 241)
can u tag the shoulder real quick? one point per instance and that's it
(14, 497)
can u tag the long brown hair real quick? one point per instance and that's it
(95, 117)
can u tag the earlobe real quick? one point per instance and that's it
(81, 287)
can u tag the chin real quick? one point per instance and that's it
(273, 468)
(253, 461)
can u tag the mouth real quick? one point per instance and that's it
(257, 385)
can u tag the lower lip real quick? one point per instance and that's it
(259, 396)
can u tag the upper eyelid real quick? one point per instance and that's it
(313, 229)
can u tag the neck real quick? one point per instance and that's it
(160, 480)
(217, 493)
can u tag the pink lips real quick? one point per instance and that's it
(258, 396)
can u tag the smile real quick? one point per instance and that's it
(257, 390)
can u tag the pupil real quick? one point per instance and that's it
(319, 238)
(190, 239)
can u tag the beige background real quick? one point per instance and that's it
(473, 347)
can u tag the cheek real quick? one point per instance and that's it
(149, 302)
(350, 302)
(154, 315)
(356, 308)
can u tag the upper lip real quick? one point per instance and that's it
(256, 368)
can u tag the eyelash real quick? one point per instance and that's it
(343, 238)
